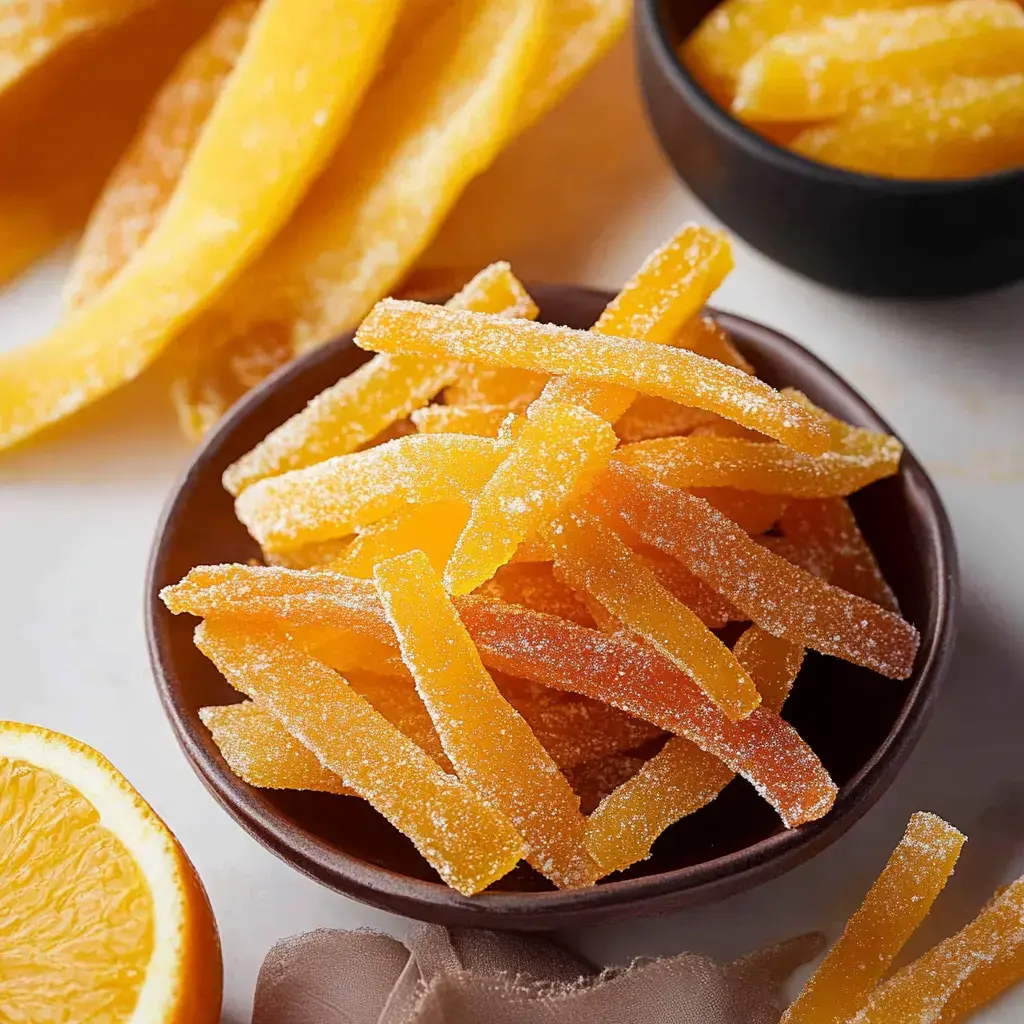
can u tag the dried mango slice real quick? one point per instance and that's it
(260, 751)
(227, 204)
(334, 497)
(925, 989)
(535, 585)
(780, 597)
(830, 528)
(820, 73)
(650, 417)
(146, 176)
(487, 385)
(681, 778)
(558, 452)
(482, 420)
(961, 128)
(491, 746)
(897, 903)
(652, 369)
(432, 528)
(593, 558)
(351, 412)
(467, 842)
(544, 649)
(766, 468)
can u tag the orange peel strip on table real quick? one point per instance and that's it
(592, 558)
(681, 778)
(557, 454)
(779, 596)
(488, 741)
(897, 903)
(361, 405)
(764, 468)
(653, 369)
(544, 649)
(335, 497)
(467, 842)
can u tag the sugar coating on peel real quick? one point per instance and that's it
(482, 420)
(780, 597)
(638, 680)
(828, 528)
(640, 366)
(489, 743)
(465, 840)
(536, 585)
(703, 335)
(681, 778)
(649, 417)
(351, 412)
(261, 751)
(335, 497)
(988, 946)
(433, 528)
(897, 903)
(753, 512)
(766, 468)
(556, 456)
(820, 73)
(490, 385)
(711, 608)
(348, 652)
(592, 558)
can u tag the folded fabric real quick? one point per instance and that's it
(461, 976)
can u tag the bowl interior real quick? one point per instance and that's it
(860, 724)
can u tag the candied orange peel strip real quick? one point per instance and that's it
(711, 608)
(766, 468)
(819, 73)
(536, 585)
(468, 843)
(681, 778)
(487, 740)
(334, 497)
(753, 512)
(897, 903)
(986, 950)
(226, 206)
(482, 420)
(491, 386)
(557, 454)
(779, 596)
(671, 373)
(351, 412)
(592, 558)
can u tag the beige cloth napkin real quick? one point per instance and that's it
(457, 976)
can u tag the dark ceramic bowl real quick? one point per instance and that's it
(861, 725)
(858, 232)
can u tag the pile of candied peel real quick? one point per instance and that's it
(503, 563)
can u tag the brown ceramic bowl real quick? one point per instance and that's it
(862, 726)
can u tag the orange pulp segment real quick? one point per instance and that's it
(487, 740)
(897, 903)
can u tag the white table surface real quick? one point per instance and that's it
(582, 198)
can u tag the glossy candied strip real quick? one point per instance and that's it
(702, 334)
(489, 385)
(260, 751)
(535, 585)
(753, 512)
(349, 652)
(140, 186)
(681, 778)
(557, 454)
(533, 549)
(467, 842)
(829, 527)
(349, 413)
(594, 780)
(989, 947)
(820, 73)
(543, 649)
(310, 556)
(338, 495)
(650, 417)
(482, 420)
(433, 528)
(897, 903)
(711, 608)
(225, 207)
(780, 597)
(488, 741)
(765, 468)
(641, 366)
(961, 128)
(592, 558)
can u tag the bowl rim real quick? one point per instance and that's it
(696, 883)
(650, 21)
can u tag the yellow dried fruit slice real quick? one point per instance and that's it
(302, 71)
